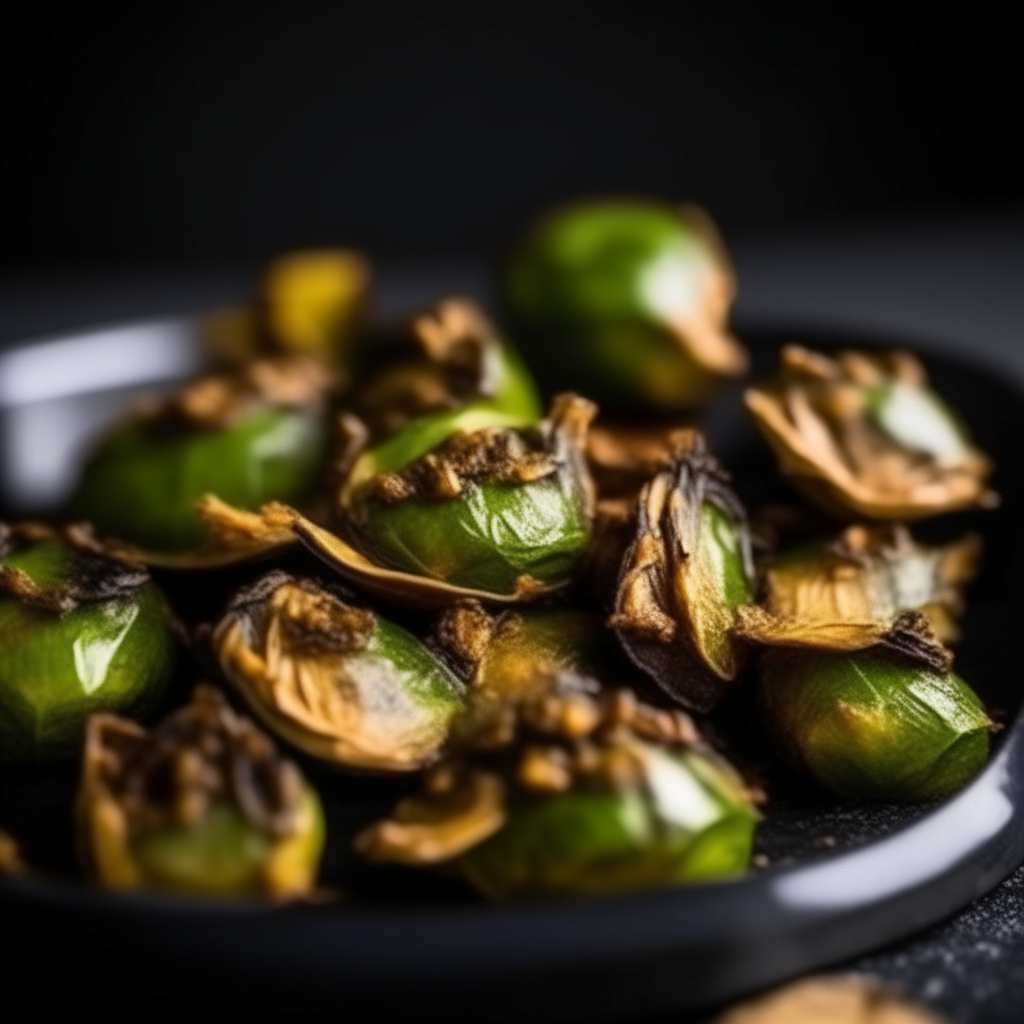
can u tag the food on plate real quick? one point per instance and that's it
(573, 792)
(865, 436)
(687, 571)
(626, 301)
(249, 436)
(80, 632)
(476, 499)
(338, 681)
(405, 570)
(311, 302)
(201, 805)
(874, 724)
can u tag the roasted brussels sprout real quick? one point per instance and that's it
(473, 500)
(626, 301)
(202, 805)
(310, 303)
(686, 573)
(574, 795)
(80, 632)
(249, 437)
(456, 359)
(872, 725)
(514, 655)
(864, 436)
(339, 682)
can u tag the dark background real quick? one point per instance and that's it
(169, 134)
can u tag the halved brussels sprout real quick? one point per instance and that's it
(626, 301)
(849, 595)
(457, 359)
(864, 436)
(515, 655)
(202, 805)
(872, 725)
(310, 303)
(80, 632)
(576, 796)
(686, 573)
(339, 682)
(249, 437)
(475, 501)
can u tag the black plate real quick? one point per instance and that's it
(843, 878)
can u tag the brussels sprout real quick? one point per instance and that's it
(340, 683)
(457, 359)
(310, 303)
(579, 796)
(626, 301)
(516, 655)
(870, 725)
(686, 573)
(202, 805)
(79, 633)
(251, 437)
(471, 500)
(849, 595)
(864, 435)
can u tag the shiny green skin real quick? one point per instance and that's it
(486, 538)
(867, 726)
(410, 668)
(224, 856)
(144, 481)
(56, 670)
(693, 826)
(590, 293)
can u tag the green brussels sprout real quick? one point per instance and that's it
(864, 436)
(867, 724)
(340, 683)
(573, 795)
(516, 655)
(627, 301)
(79, 633)
(453, 358)
(682, 819)
(249, 438)
(686, 574)
(475, 500)
(203, 805)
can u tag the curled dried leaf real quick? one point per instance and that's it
(687, 571)
(622, 458)
(864, 436)
(459, 811)
(858, 591)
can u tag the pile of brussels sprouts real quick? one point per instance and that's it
(531, 604)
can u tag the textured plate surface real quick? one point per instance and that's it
(842, 878)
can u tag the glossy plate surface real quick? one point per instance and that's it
(842, 878)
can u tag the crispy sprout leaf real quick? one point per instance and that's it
(874, 585)
(864, 436)
(688, 569)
